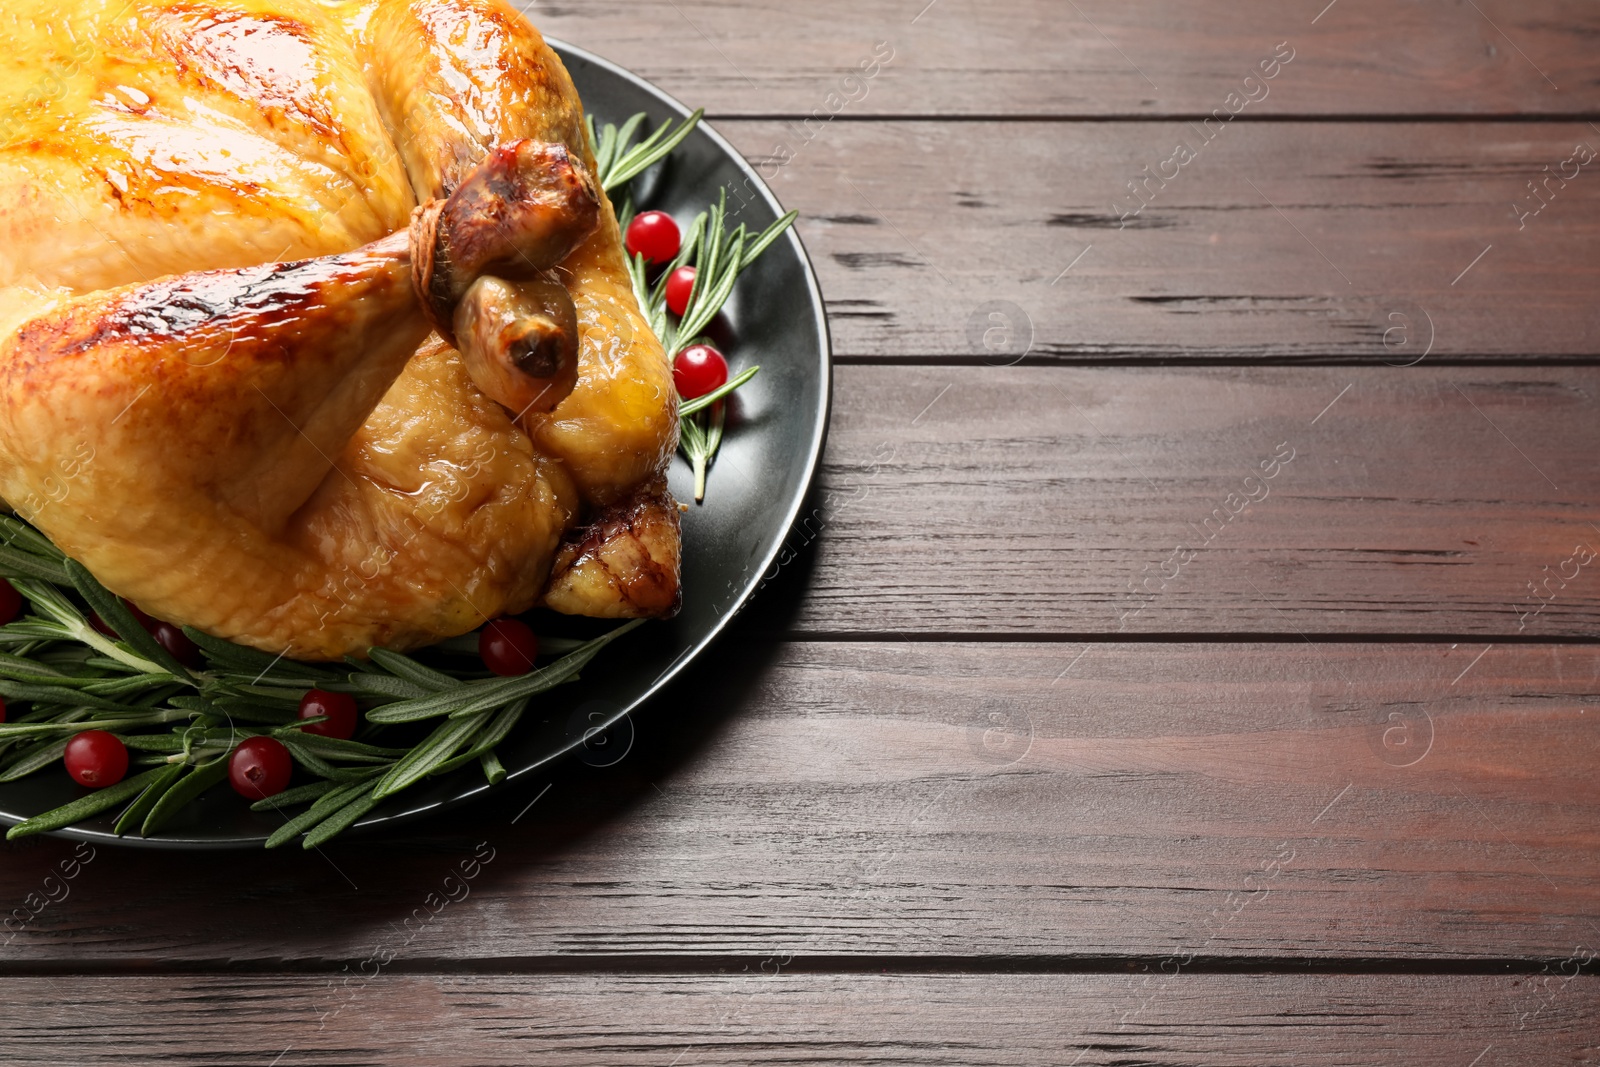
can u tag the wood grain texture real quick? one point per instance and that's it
(1099, 57)
(1155, 845)
(1051, 500)
(948, 801)
(968, 1020)
(1282, 241)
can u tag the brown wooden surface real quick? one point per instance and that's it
(750, 1018)
(953, 790)
(1278, 241)
(1037, 500)
(1097, 58)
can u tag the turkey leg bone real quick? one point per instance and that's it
(520, 213)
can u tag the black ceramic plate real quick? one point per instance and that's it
(774, 439)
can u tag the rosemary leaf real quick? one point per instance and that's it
(69, 624)
(389, 686)
(717, 415)
(52, 713)
(22, 644)
(493, 769)
(55, 694)
(310, 759)
(723, 273)
(16, 563)
(256, 664)
(114, 613)
(491, 736)
(473, 697)
(328, 802)
(341, 821)
(199, 779)
(767, 236)
(623, 163)
(37, 629)
(439, 747)
(692, 439)
(313, 791)
(26, 538)
(260, 694)
(84, 807)
(168, 743)
(654, 314)
(335, 747)
(654, 304)
(135, 813)
(112, 724)
(130, 684)
(594, 136)
(412, 671)
(21, 669)
(298, 795)
(692, 436)
(617, 141)
(700, 436)
(34, 758)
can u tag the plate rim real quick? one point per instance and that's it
(813, 461)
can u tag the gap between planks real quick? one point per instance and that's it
(1177, 360)
(1184, 637)
(1199, 116)
(706, 965)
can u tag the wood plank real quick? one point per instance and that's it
(1194, 1020)
(941, 801)
(1099, 57)
(1053, 500)
(1283, 241)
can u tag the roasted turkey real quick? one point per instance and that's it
(315, 329)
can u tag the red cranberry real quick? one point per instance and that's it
(175, 641)
(698, 370)
(508, 647)
(680, 284)
(260, 767)
(96, 759)
(10, 602)
(340, 709)
(653, 235)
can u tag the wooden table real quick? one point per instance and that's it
(1191, 657)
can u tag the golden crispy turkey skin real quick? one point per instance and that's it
(234, 233)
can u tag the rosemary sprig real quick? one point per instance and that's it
(618, 161)
(718, 257)
(84, 807)
(470, 698)
(700, 437)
